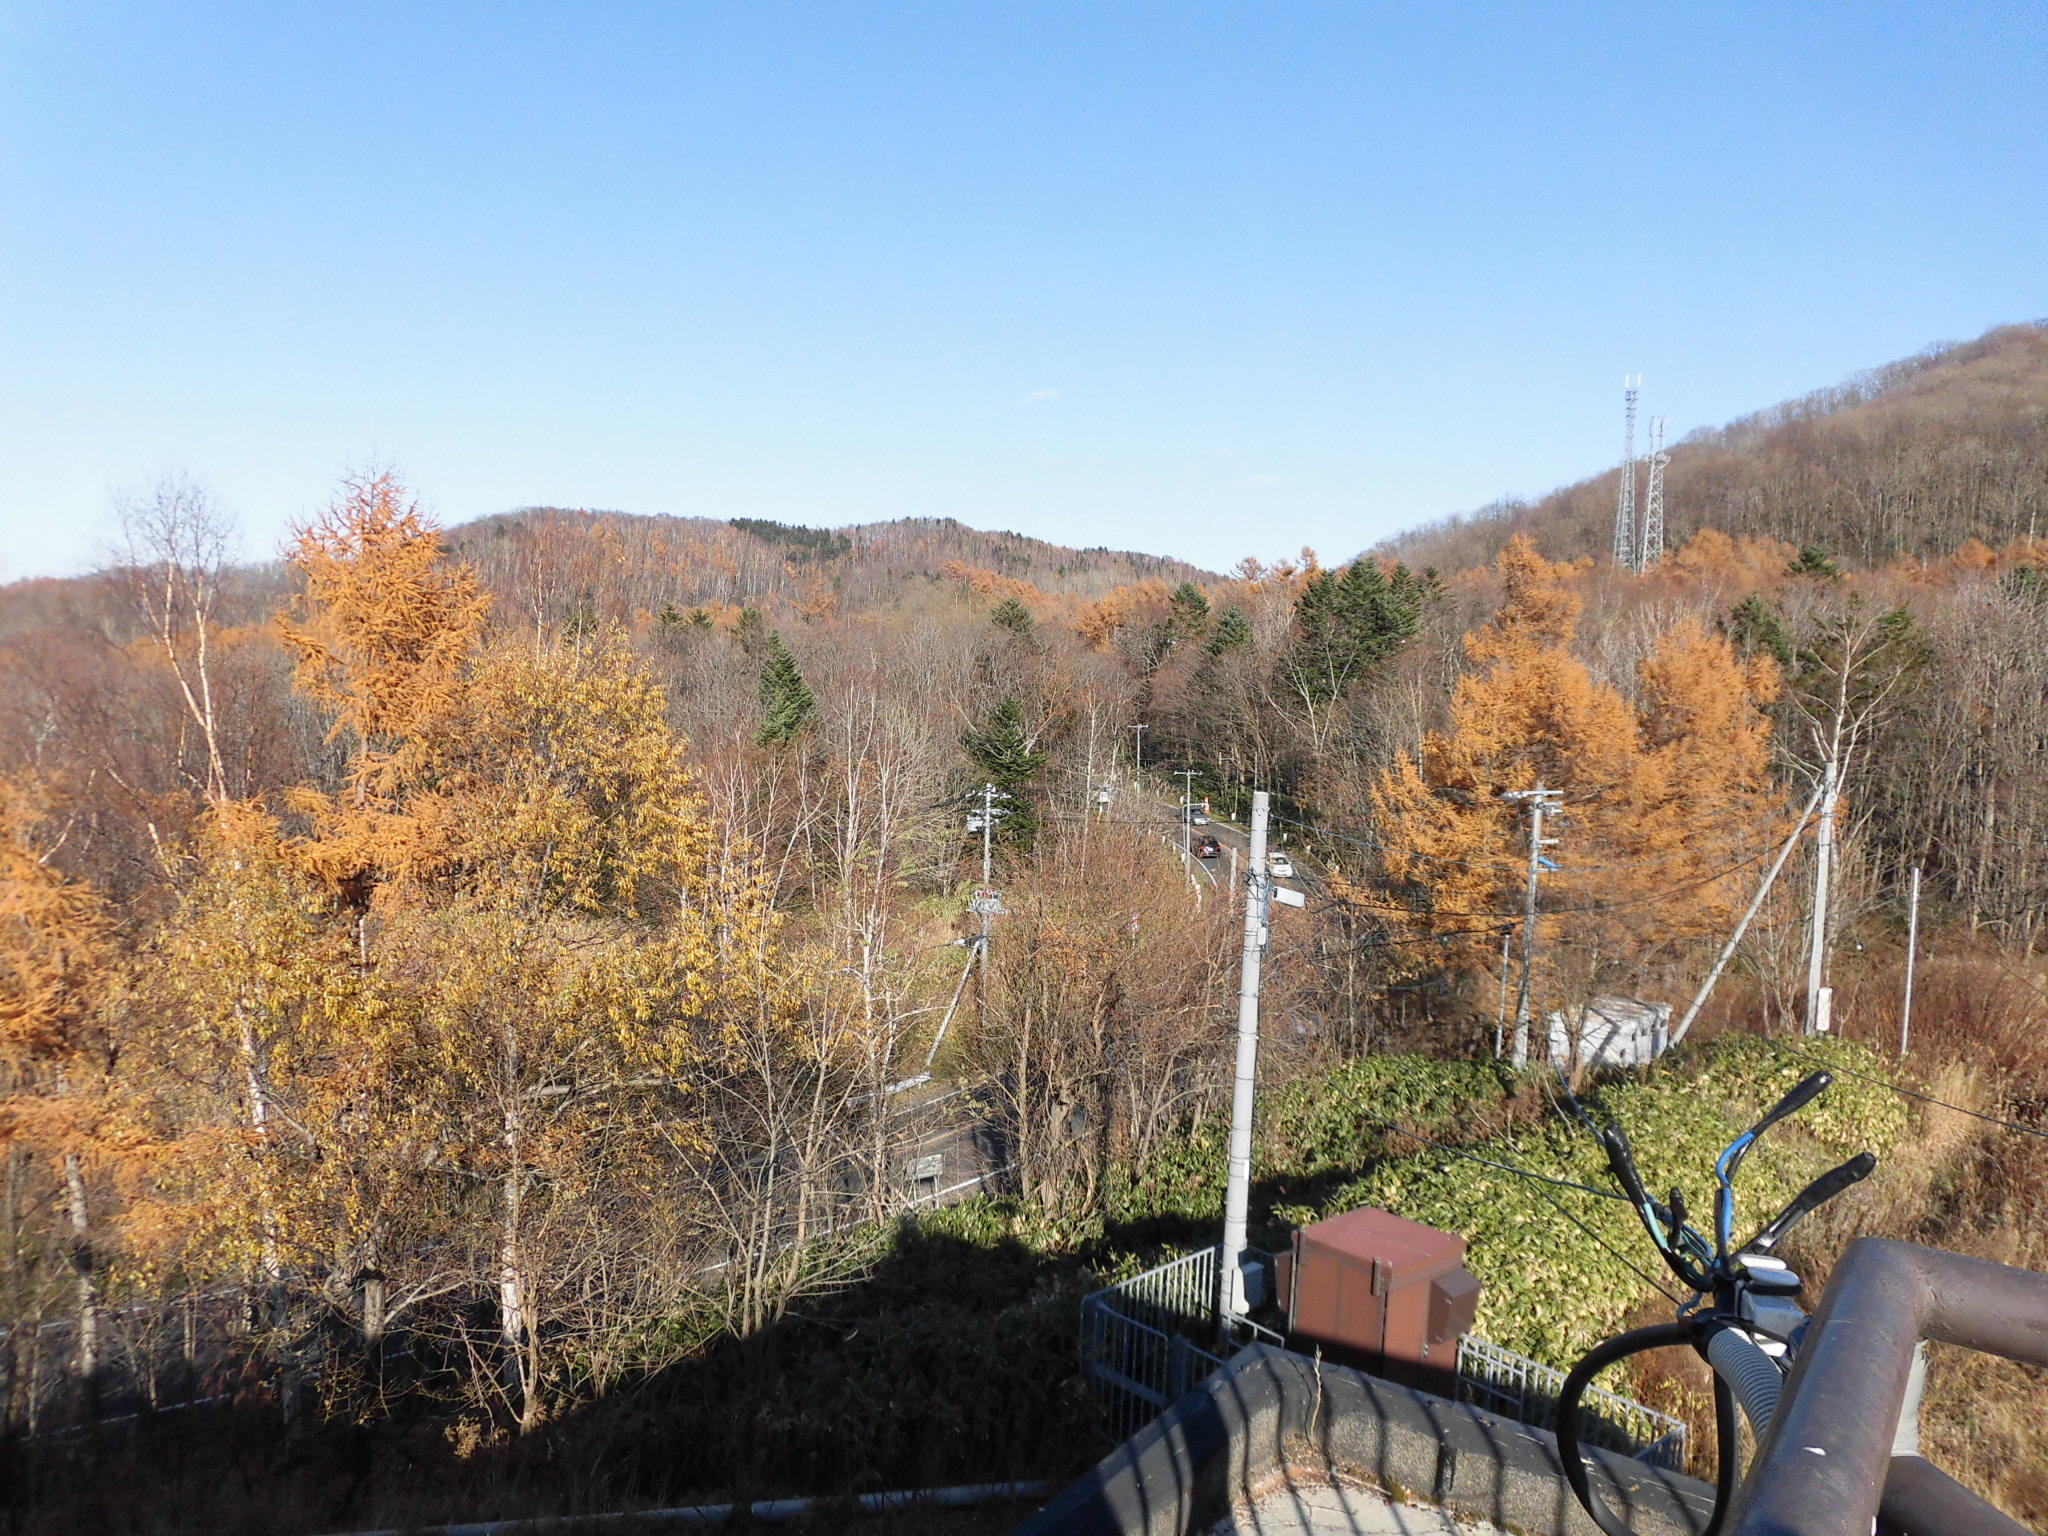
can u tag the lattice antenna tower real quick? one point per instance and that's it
(1653, 499)
(1625, 499)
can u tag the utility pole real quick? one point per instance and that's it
(1819, 998)
(988, 810)
(1538, 802)
(1912, 954)
(1137, 749)
(1500, 1017)
(1187, 811)
(1237, 1194)
(984, 902)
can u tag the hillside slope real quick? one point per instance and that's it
(618, 563)
(1910, 458)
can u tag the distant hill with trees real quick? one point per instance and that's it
(617, 564)
(1910, 458)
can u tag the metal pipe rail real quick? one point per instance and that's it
(1834, 1457)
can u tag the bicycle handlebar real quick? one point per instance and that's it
(1706, 1269)
(1803, 1093)
(1819, 1192)
(1675, 1242)
(1688, 1254)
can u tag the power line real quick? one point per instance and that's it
(1872, 1078)
(1590, 907)
(1520, 1173)
(1770, 824)
(1537, 1178)
(1911, 1093)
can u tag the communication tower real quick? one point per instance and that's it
(1653, 499)
(1625, 499)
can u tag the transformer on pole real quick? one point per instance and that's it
(1625, 498)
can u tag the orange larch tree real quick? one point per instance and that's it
(1651, 799)
(382, 632)
(61, 1110)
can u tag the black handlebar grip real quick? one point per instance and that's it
(1819, 1192)
(1808, 1089)
(1622, 1161)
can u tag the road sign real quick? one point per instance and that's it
(987, 902)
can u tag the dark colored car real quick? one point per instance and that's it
(1206, 847)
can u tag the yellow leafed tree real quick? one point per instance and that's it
(1656, 799)
(382, 634)
(63, 1121)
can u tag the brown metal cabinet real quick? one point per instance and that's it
(1380, 1292)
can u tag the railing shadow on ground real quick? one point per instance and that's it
(949, 1362)
(1272, 1417)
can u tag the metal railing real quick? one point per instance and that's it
(151, 1356)
(1516, 1387)
(1144, 1340)
(1147, 1339)
(1842, 1451)
(1136, 1371)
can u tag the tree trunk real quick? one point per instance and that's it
(515, 1298)
(87, 1357)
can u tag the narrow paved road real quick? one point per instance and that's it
(1231, 838)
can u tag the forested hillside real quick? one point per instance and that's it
(1911, 458)
(608, 566)
(485, 1001)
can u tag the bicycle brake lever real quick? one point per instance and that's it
(1818, 1193)
(1621, 1161)
(1676, 1214)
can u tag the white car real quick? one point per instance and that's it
(1280, 866)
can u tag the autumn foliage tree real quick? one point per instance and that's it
(1663, 800)
(60, 1112)
(381, 634)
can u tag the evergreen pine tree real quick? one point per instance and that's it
(751, 632)
(1752, 627)
(1348, 623)
(1232, 630)
(787, 703)
(1005, 753)
(1187, 616)
(1011, 616)
(1815, 563)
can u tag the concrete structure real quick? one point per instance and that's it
(1613, 1032)
(1292, 1508)
(1271, 1419)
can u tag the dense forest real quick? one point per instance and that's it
(475, 995)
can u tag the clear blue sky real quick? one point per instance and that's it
(1199, 278)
